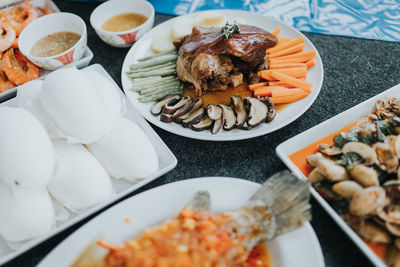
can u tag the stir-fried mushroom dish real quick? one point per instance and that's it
(359, 175)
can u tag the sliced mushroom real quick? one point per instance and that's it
(387, 159)
(257, 111)
(204, 124)
(346, 189)
(240, 111)
(194, 118)
(329, 150)
(217, 126)
(171, 108)
(198, 104)
(167, 118)
(183, 110)
(158, 106)
(367, 201)
(373, 233)
(364, 151)
(367, 229)
(228, 117)
(314, 158)
(393, 228)
(390, 213)
(366, 176)
(245, 126)
(214, 112)
(271, 109)
(394, 141)
(315, 176)
(393, 256)
(331, 171)
(397, 242)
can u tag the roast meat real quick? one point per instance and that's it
(212, 63)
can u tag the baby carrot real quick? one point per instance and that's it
(288, 51)
(289, 98)
(256, 85)
(279, 83)
(290, 80)
(300, 72)
(294, 58)
(279, 91)
(284, 45)
(276, 31)
(311, 63)
(263, 91)
(287, 65)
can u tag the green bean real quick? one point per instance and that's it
(169, 64)
(158, 88)
(158, 54)
(160, 72)
(160, 96)
(155, 61)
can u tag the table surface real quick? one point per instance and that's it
(355, 70)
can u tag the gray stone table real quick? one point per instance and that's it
(355, 70)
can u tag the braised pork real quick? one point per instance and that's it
(212, 63)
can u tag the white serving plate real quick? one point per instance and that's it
(322, 130)
(81, 63)
(290, 113)
(298, 248)
(167, 162)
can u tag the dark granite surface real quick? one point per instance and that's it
(355, 70)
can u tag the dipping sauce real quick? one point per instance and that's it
(123, 22)
(54, 44)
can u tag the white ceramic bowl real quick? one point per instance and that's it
(112, 8)
(49, 24)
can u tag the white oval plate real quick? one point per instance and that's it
(298, 248)
(143, 47)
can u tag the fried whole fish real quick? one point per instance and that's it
(195, 237)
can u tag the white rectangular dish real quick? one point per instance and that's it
(322, 130)
(81, 63)
(167, 161)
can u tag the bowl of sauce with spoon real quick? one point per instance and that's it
(120, 23)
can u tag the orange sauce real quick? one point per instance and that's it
(123, 22)
(211, 21)
(224, 97)
(259, 257)
(299, 159)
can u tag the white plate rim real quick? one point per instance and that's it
(244, 134)
(285, 149)
(172, 162)
(199, 182)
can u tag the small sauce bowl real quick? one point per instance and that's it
(113, 8)
(49, 24)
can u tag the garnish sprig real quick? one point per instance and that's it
(229, 29)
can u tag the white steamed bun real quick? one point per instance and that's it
(26, 154)
(126, 152)
(24, 213)
(80, 181)
(113, 98)
(71, 100)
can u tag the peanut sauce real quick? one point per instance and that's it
(123, 22)
(54, 44)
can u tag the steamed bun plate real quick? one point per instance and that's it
(126, 152)
(112, 97)
(26, 154)
(24, 213)
(80, 181)
(70, 98)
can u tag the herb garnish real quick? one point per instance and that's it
(229, 29)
